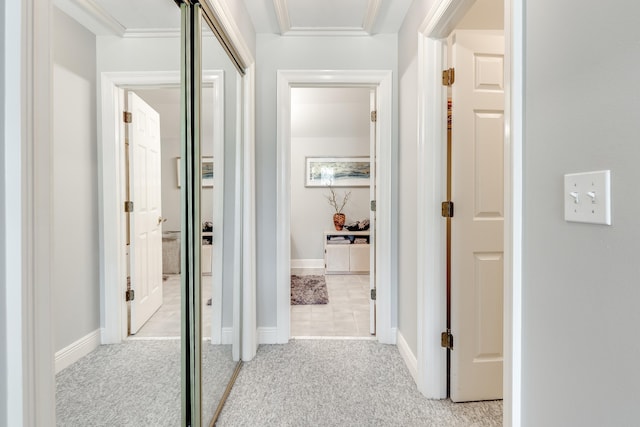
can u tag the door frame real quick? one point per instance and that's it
(431, 359)
(382, 82)
(113, 307)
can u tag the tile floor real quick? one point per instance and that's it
(346, 314)
(165, 323)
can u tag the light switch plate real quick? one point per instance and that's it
(587, 197)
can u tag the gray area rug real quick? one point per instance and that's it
(136, 383)
(340, 383)
(308, 290)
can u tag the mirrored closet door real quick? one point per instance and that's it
(166, 298)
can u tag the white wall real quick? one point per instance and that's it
(163, 54)
(484, 15)
(3, 225)
(311, 53)
(580, 282)
(74, 216)
(407, 172)
(325, 122)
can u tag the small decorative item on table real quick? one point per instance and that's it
(339, 218)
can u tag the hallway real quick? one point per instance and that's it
(331, 382)
(337, 382)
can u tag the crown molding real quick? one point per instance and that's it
(282, 13)
(154, 33)
(91, 15)
(371, 15)
(286, 29)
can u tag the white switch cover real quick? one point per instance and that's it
(587, 197)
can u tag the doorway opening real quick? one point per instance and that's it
(332, 262)
(164, 320)
(432, 364)
(164, 85)
(380, 83)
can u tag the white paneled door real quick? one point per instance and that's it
(478, 222)
(146, 220)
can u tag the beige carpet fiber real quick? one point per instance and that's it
(340, 383)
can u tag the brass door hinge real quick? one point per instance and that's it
(126, 117)
(128, 206)
(129, 295)
(447, 209)
(373, 294)
(446, 340)
(448, 77)
(374, 116)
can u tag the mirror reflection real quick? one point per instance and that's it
(117, 303)
(219, 136)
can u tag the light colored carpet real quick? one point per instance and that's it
(136, 383)
(340, 383)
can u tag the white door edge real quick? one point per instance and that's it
(431, 316)
(372, 214)
(382, 81)
(113, 268)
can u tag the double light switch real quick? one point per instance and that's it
(587, 197)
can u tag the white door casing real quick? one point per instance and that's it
(112, 229)
(145, 184)
(477, 230)
(382, 82)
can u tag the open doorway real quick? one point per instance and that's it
(162, 91)
(164, 320)
(475, 84)
(385, 288)
(432, 361)
(332, 138)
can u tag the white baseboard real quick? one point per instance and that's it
(227, 335)
(307, 263)
(77, 350)
(268, 335)
(409, 358)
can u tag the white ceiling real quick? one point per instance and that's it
(285, 17)
(328, 17)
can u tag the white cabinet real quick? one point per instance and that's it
(346, 252)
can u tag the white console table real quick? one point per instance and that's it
(342, 255)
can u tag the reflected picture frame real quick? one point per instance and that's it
(207, 171)
(337, 171)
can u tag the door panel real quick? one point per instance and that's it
(477, 226)
(146, 219)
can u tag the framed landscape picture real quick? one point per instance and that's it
(337, 172)
(207, 171)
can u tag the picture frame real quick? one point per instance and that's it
(207, 171)
(337, 172)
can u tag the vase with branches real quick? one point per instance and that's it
(339, 217)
